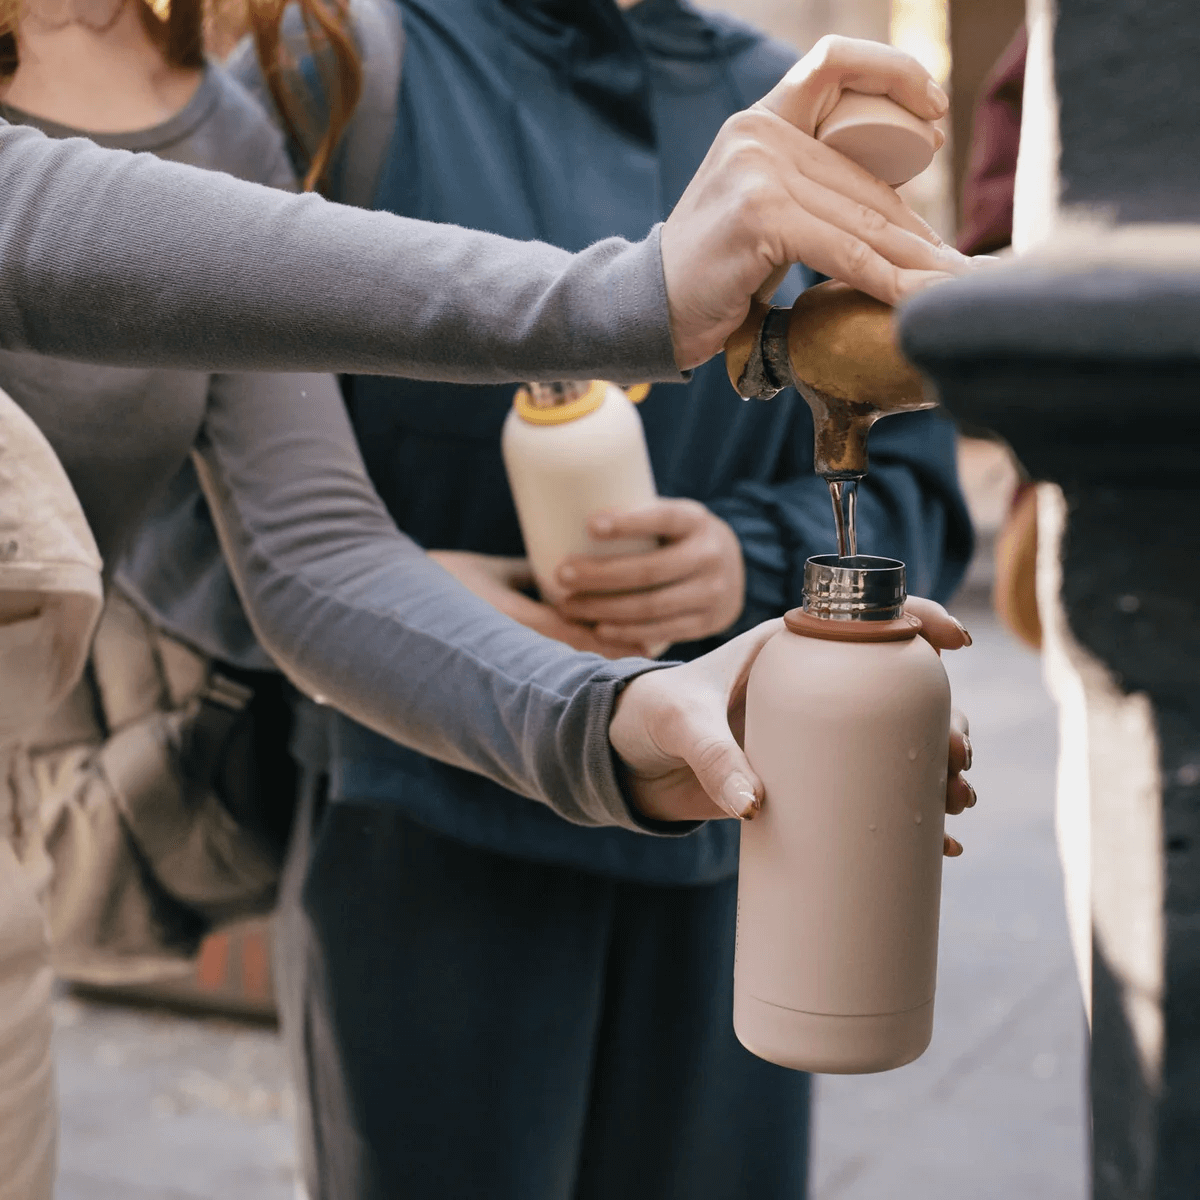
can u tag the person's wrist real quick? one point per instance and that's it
(702, 304)
(632, 749)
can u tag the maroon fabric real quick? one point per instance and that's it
(992, 167)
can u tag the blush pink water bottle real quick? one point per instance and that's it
(848, 724)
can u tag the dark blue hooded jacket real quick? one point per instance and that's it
(568, 121)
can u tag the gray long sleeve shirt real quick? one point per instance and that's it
(129, 261)
(125, 259)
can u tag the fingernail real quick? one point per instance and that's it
(738, 798)
(968, 640)
(937, 97)
(568, 575)
(918, 281)
(950, 847)
(951, 255)
(971, 798)
(968, 753)
(602, 526)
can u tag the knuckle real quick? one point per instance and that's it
(822, 47)
(740, 154)
(751, 178)
(756, 210)
(742, 126)
(710, 754)
(858, 257)
(675, 719)
(829, 51)
(750, 190)
(732, 126)
(873, 222)
(890, 283)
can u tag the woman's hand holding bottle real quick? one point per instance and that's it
(678, 731)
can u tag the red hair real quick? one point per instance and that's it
(181, 38)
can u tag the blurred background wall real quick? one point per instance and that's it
(957, 40)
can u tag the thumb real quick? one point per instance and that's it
(727, 778)
(711, 748)
(769, 286)
(701, 738)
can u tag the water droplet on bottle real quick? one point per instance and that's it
(912, 755)
(872, 828)
(918, 818)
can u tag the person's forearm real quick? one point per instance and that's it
(357, 614)
(124, 259)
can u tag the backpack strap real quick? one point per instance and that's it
(358, 161)
(380, 35)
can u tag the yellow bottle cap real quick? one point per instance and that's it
(572, 410)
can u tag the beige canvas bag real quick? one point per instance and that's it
(50, 598)
(147, 856)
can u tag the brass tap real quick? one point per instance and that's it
(837, 347)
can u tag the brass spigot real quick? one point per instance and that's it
(837, 347)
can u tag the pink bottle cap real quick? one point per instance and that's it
(880, 135)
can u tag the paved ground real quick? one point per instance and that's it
(163, 1107)
(994, 1109)
(159, 1107)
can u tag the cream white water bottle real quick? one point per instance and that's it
(572, 450)
(848, 724)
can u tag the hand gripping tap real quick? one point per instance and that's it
(836, 345)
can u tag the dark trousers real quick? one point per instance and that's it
(475, 1026)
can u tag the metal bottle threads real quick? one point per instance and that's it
(858, 588)
(552, 395)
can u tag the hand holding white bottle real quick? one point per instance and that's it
(571, 451)
(691, 585)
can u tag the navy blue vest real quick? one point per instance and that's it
(569, 121)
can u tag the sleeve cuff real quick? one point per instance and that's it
(611, 791)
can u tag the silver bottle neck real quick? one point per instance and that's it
(858, 588)
(554, 395)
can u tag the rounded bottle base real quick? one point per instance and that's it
(832, 1045)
